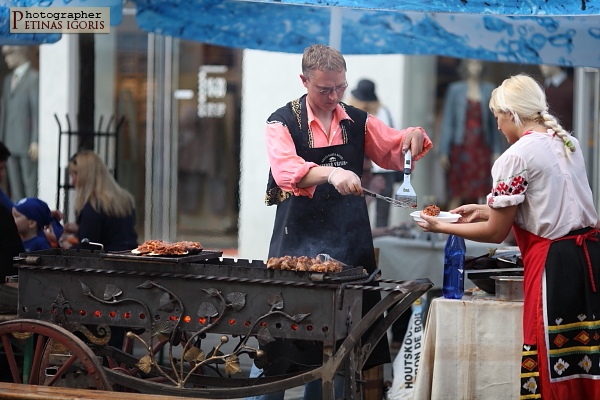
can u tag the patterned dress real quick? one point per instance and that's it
(468, 177)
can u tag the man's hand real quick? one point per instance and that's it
(345, 182)
(414, 140)
(33, 151)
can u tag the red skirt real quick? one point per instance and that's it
(561, 322)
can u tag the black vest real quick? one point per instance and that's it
(328, 222)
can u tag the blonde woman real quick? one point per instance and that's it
(104, 211)
(541, 190)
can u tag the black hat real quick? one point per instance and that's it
(365, 91)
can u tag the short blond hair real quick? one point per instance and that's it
(322, 58)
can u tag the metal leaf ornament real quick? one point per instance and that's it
(111, 292)
(232, 365)
(194, 354)
(207, 309)
(212, 292)
(85, 289)
(276, 301)
(145, 364)
(163, 330)
(146, 285)
(264, 336)
(237, 300)
(299, 317)
(166, 303)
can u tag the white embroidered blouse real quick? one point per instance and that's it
(551, 189)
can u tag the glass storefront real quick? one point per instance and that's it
(207, 106)
(200, 121)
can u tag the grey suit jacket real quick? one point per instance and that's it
(19, 113)
(452, 129)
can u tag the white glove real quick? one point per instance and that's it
(345, 181)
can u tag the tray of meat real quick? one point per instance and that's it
(161, 251)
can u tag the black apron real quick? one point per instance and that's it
(327, 223)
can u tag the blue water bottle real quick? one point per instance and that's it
(454, 268)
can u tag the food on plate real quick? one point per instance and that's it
(303, 263)
(191, 246)
(148, 246)
(431, 210)
(161, 248)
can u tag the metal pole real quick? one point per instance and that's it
(335, 28)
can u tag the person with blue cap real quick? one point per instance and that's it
(31, 216)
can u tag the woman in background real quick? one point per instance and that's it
(104, 210)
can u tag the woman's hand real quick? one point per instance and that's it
(472, 213)
(431, 224)
(68, 240)
(71, 227)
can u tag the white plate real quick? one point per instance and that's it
(444, 216)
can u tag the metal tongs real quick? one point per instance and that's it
(384, 198)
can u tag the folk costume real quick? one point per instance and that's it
(555, 231)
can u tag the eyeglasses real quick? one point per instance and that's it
(329, 90)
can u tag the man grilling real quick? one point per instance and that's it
(316, 147)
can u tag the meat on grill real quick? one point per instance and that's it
(303, 263)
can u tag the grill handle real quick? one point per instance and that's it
(87, 241)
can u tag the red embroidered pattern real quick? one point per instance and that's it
(516, 185)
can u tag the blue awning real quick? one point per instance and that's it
(539, 32)
(7, 38)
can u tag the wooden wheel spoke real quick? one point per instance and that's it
(10, 357)
(62, 370)
(50, 346)
(40, 343)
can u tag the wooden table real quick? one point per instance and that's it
(471, 350)
(33, 392)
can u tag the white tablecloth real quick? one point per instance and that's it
(471, 350)
(408, 259)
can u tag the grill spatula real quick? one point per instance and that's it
(405, 195)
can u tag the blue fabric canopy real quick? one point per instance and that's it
(22, 39)
(540, 32)
(499, 7)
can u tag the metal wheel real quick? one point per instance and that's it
(41, 353)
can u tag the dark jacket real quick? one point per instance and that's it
(10, 243)
(116, 234)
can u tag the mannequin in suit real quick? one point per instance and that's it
(19, 121)
(469, 138)
(559, 94)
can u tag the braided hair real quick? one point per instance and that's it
(524, 98)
